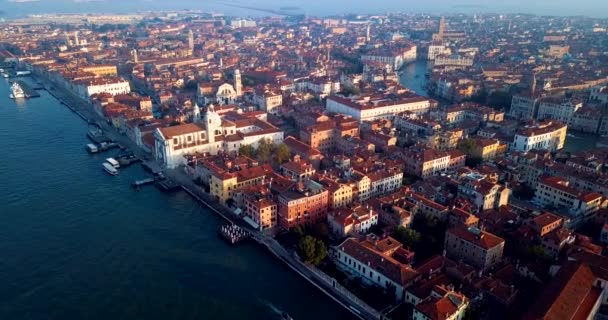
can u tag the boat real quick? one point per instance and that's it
(109, 168)
(5, 75)
(92, 148)
(17, 91)
(113, 162)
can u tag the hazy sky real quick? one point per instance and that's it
(597, 8)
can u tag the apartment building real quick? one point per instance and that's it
(476, 247)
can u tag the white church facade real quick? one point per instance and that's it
(212, 134)
(223, 93)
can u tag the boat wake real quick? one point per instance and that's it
(282, 314)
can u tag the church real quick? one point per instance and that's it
(212, 133)
(221, 92)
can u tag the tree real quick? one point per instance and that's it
(312, 250)
(409, 237)
(264, 151)
(500, 100)
(247, 150)
(282, 154)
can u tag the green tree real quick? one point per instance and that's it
(409, 237)
(247, 150)
(264, 151)
(282, 154)
(312, 250)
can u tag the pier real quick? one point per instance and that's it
(167, 185)
(233, 233)
(143, 182)
(27, 90)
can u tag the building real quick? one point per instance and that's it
(306, 203)
(425, 162)
(524, 107)
(371, 261)
(437, 49)
(268, 100)
(486, 149)
(381, 107)
(101, 70)
(224, 183)
(548, 136)
(476, 247)
(261, 209)
(454, 60)
(561, 110)
(384, 181)
(484, 194)
(243, 23)
(352, 221)
(324, 135)
(210, 135)
(575, 292)
(451, 306)
(577, 206)
(469, 111)
(546, 223)
(340, 194)
(112, 85)
(395, 57)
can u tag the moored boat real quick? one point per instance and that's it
(113, 162)
(109, 168)
(16, 91)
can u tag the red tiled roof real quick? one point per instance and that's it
(480, 238)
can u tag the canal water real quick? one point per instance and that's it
(77, 243)
(412, 77)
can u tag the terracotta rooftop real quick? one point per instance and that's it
(389, 267)
(477, 237)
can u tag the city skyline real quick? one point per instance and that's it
(592, 8)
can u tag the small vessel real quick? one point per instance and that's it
(286, 316)
(92, 148)
(16, 91)
(109, 168)
(5, 75)
(113, 162)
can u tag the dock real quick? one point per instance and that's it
(233, 234)
(151, 167)
(167, 185)
(27, 89)
(127, 159)
(143, 182)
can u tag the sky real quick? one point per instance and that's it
(596, 8)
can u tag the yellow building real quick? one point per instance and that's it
(101, 70)
(223, 184)
(485, 149)
(340, 195)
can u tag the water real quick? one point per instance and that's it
(77, 243)
(578, 141)
(412, 77)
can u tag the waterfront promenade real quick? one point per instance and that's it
(331, 288)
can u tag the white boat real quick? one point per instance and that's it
(109, 168)
(17, 91)
(5, 75)
(92, 148)
(113, 162)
